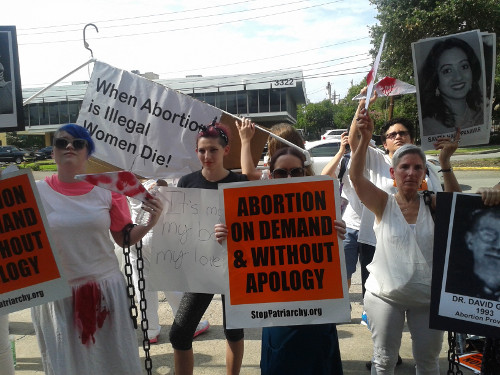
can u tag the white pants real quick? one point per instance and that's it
(6, 360)
(387, 323)
(173, 298)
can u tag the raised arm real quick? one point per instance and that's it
(448, 146)
(372, 197)
(246, 130)
(329, 169)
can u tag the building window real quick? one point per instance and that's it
(63, 113)
(54, 113)
(264, 100)
(275, 100)
(242, 102)
(231, 102)
(32, 115)
(253, 101)
(43, 113)
(220, 100)
(283, 100)
(210, 98)
(74, 109)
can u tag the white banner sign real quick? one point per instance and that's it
(186, 256)
(140, 125)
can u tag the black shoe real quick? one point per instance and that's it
(369, 363)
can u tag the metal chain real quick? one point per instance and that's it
(143, 305)
(128, 273)
(453, 360)
(131, 293)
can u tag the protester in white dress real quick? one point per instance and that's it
(90, 332)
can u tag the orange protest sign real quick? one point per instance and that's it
(282, 245)
(26, 257)
(472, 361)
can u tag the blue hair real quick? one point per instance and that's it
(78, 131)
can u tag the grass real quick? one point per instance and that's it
(43, 165)
(467, 150)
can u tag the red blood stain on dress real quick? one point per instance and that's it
(88, 310)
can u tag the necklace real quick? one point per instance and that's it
(403, 202)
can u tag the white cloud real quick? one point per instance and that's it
(249, 45)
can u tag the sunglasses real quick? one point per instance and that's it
(62, 143)
(283, 173)
(393, 135)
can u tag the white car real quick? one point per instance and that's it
(322, 152)
(333, 134)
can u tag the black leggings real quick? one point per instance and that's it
(189, 314)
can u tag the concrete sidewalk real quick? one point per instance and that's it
(209, 348)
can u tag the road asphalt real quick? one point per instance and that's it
(209, 348)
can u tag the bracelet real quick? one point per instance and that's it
(446, 170)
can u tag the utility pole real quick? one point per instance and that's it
(336, 98)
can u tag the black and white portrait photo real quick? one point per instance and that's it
(11, 101)
(466, 275)
(451, 87)
(474, 261)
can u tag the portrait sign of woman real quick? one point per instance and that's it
(450, 84)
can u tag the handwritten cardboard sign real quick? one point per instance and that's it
(285, 262)
(29, 271)
(186, 256)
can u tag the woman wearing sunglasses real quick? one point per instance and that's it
(90, 332)
(212, 145)
(304, 349)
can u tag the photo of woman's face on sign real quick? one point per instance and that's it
(451, 92)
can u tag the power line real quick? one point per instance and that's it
(146, 16)
(267, 58)
(186, 28)
(149, 22)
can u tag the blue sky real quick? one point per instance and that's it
(327, 40)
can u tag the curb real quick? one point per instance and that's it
(476, 168)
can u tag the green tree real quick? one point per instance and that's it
(407, 21)
(314, 118)
(345, 110)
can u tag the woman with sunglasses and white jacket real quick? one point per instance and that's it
(91, 331)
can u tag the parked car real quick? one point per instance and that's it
(41, 154)
(322, 152)
(333, 134)
(11, 154)
(45, 153)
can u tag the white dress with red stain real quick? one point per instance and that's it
(90, 332)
